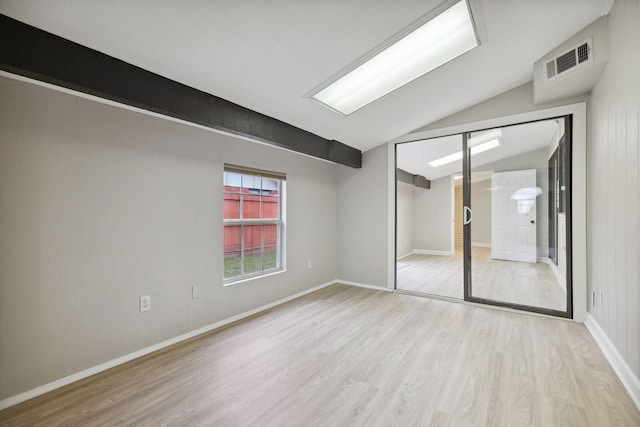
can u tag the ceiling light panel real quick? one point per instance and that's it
(446, 159)
(494, 143)
(480, 137)
(434, 43)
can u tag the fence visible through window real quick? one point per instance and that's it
(252, 215)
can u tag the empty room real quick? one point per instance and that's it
(284, 213)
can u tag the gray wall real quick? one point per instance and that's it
(362, 253)
(515, 101)
(613, 183)
(404, 217)
(100, 205)
(432, 216)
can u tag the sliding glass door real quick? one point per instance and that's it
(512, 222)
(507, 192)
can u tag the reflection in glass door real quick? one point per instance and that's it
(428, 217)
(510, 235)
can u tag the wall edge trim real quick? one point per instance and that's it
(432, 252)
(362, 285)
(480, 245)
(630, 382)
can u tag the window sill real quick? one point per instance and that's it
(251, 278)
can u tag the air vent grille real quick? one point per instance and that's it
(583, 53)
(551, 69)
(580, 54)
(566, 61)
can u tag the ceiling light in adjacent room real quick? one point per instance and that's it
(435, 42)
(458, 156)
(494, 143)
(446, 159)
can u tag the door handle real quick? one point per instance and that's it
(467, 219)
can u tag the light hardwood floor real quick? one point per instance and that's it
(353, 356)
(532, 284)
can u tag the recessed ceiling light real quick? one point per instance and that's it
(458, 156)
(440, 39)
(494, 143)
(446, 159)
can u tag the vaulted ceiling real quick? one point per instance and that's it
(267, 55)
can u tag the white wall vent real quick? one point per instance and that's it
(574, 67)
(580, 54)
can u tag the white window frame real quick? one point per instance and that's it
(279, 222)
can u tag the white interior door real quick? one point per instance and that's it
(513, 214)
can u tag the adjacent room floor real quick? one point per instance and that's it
(352, 356)
(532, 284)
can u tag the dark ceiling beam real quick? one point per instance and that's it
(415, 180)
(37, 54)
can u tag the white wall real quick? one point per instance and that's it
(363, 202)
(613, 187)
(100, 205)
(404, 219)
(432, 217)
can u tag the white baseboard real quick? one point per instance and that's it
(624, 372)
(362, 285)
(30, 394)
(404, 256)
(430, 252)
(562, 280)
(481, 245)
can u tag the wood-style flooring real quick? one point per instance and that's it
(532, 284)
(354, 356)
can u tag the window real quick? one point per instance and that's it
(253, 225)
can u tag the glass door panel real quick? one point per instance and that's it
(429, 236)
(508, 239)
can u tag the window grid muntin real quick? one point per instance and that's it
(244, 222)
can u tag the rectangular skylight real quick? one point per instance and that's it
(458, 156)
(436, 42)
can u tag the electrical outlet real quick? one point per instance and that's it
(195, 292)
(309, 263)
(593, 299)
(145, 303)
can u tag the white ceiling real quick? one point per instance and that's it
(413, 157)
(266, 55)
